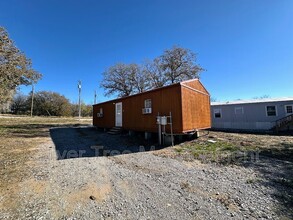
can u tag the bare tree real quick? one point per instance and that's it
(175, 65)
(179, 64)
(213, 99)
(117, 80)
(154, 74)
(262, 97)
(19, 104)
(139, 79)
(124, 80)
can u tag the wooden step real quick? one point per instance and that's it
(115, 130)
(284, 122)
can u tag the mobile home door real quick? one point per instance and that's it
(118, 117)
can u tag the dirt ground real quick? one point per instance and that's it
(62, 168)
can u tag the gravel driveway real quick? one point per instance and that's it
(142, 185)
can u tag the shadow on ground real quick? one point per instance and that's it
(90, 142)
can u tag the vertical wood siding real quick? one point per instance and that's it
(163, 101)
(195, 107)
(190, 109)
(196, 84)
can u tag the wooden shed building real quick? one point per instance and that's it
(188, 103)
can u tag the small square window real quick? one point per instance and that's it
(271, 110)
(100, 113)
(217, 113)
(148, 103)
(289, 109)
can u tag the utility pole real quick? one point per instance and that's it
(32, 104)
(79, 100)
(95, 100)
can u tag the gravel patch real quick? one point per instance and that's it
(144, 185)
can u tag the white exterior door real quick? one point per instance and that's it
(118, 115)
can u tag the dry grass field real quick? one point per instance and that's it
(20, 138)
(19, 141)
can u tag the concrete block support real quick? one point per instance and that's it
(147, 135)
(168, 140)
(131, 133)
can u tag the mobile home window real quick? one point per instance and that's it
(238, 110)
(289, 109)
(217, 113)
(148, 103)
(271, 110)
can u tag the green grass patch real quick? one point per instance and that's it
(252, 180)
(219, 151)
(211, 147)
(179, 150)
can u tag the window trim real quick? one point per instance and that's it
(100, 113)
(288, 113)
(145, 102)
(239, 107)
(266, 109)
(220, 111)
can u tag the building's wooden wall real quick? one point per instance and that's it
(195, 107)
(190, 109)
(196, 84)
(163, 101)
(108, 120)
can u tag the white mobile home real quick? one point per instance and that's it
(258, 114)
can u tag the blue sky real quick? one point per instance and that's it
(246, 46)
